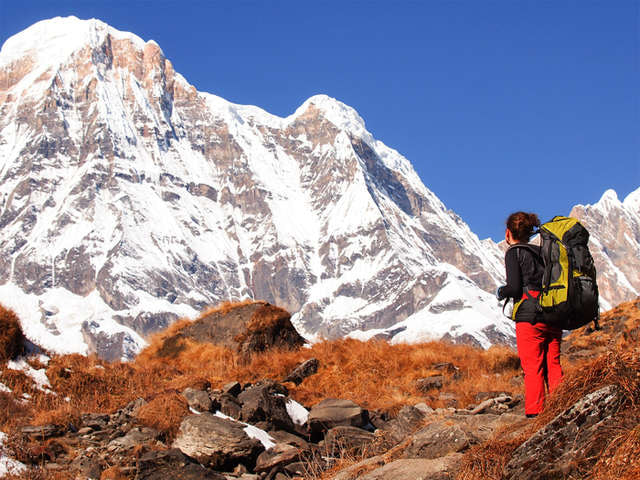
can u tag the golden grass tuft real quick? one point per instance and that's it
(164, 412)
(11, 336)
(113, 473)
(487, 460)
(621, 459)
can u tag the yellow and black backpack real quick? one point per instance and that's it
(569, 295)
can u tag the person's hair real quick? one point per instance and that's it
(521, 225)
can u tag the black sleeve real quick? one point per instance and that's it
(513, 288)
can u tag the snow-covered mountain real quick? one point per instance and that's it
(129, 199)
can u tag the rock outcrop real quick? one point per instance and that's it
(568, 443)
(246, 327)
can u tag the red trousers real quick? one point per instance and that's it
(539, 351)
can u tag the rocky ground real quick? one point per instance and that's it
(257, 430)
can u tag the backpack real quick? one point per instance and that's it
(569, 295)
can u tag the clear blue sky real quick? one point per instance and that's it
(500, 105)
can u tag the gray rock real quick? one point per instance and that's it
(232, 388)
(333, 412)
(94, 421)
(437, 440)
(481, 427)
(567, 443)
(41, 432)
(482, 396)
(408, 421)
(160, 465)
(280, 455)
(243, 329)
(88, 466)
(280, 436)
(302, 371)
(443, 468)
(265, 402)
(135, 436)
(430, 383)
(216, 442)
(297, 469)
(424, 408)
(227, 404)
(343, 440)
(198, 399)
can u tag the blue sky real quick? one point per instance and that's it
(500, 105)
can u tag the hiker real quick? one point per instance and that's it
(538, 343)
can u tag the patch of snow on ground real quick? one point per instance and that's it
(38, 376)
(297, 412)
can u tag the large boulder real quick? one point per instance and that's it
(217, 442)
(334, 412)
(246, 328)
(569, 441)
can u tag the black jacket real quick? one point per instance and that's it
(524, 273)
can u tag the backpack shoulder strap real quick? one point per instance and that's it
(534, 249)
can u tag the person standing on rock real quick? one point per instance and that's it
(538, 343)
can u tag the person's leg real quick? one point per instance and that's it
(554, 369)
(530, 341)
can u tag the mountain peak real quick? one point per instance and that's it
(51, 41)
(341, 115)
(632, 201)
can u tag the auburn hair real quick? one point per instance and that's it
(521, 225)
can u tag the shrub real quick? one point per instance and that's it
(11, 336)
(164, 412)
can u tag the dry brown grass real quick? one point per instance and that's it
(619, 328)
(379, 375)
(113, 473)
(11, 336)
(621, 459)
(487, 460)
(164, 412)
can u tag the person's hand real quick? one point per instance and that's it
(499, 294)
